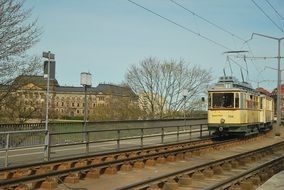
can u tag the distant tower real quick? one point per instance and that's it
(52, 69)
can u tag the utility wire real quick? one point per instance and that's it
(179, 25)
(275, 10)
(267, 15)
(215, 25)
(208, 21)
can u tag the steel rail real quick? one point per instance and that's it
(77, 158)
(17, 181)
(161, 179)
(236, 179)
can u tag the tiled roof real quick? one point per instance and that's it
(107, 89)
(114, 89)
(274, 92)
(262, 90)
(37, 80)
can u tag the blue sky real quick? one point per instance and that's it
(107, 37)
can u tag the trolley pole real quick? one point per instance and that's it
(278, 122)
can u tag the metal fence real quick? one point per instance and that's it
(88, 141)
(78, 126)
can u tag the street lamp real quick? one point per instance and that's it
(50, 57)
(184, 94)
(86, 81)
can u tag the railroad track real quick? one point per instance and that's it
(46, 175)
(243, 171)
(49, 174)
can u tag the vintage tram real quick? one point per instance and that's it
(235, 108)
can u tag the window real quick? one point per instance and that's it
(223, 100)
(209, 100)
(101, 98)
(237, 100)
(261, 103)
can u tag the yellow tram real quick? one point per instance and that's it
(235, 108)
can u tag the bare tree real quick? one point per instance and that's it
(18, 33)
(117, 108)
(160, 85)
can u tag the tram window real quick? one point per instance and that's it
(242, 101)
(261, 103)
(209, 100)
(237, 100)
(225, 100)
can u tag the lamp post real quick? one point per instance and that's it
(86, 81)
(184, 94)
(277, 129)
(50, 56)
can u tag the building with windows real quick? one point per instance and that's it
(65, 102)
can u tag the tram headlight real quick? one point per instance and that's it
(222, 120)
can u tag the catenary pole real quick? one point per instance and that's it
(278, 122)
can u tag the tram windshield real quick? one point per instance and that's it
(223, 100)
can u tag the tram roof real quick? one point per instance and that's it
(229, 83)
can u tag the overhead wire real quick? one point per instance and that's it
(275, 24)
(217, 26)
(275, 9)
(197, 33)
(280, 16)
(208, 21)
(179, 25)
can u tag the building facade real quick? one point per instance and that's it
(65, 102)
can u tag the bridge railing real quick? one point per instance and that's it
(89, 141)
